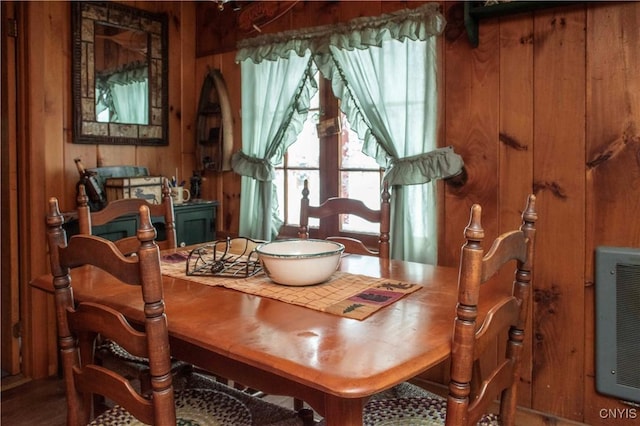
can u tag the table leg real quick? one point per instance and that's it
(343, 411)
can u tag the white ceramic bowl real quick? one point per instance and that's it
(300, 262)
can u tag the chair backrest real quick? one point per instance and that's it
(505, 318)
(128, 206)
(80, 324)
(336, 206)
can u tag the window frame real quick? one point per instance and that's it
(329, 173)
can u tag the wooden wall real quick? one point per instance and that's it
(45, 165)
(549, 102)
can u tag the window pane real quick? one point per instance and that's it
(279, 182)
(315, 100)
(304, 152)
(295, 185)
(364, 186)
(352, 156)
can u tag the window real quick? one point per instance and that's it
(383, 70)
(333, 164)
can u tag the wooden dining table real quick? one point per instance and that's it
(331, 362)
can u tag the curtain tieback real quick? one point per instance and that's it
(422, 168)
(257, 168)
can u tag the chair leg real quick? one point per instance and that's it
(298, 404)
(306, 415)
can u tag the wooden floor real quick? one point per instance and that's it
(36, 402)
(42, 402)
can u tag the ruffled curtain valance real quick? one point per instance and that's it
(361, 33)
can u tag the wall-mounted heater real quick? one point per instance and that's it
(618, 322)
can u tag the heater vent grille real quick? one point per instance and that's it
(618, 322)
(628, 324)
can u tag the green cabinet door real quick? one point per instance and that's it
(117, 229)
(195, 222)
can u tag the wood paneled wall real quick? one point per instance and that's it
(549, 103)
(46, 152)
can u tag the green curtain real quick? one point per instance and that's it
(275, 101)
(131, 102)
(125, 92)
(383, 69)
(394, 110)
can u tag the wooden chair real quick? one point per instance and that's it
(336, 206)
(128, 206)
(79, 325)
(111, 354)
(466, 403)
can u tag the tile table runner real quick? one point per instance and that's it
(348, 295)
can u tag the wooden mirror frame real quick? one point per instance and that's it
(85, 125)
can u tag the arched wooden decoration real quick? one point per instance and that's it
(214, 143)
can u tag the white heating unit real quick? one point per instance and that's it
(618, 322)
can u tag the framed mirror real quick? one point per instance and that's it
(119, 68)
